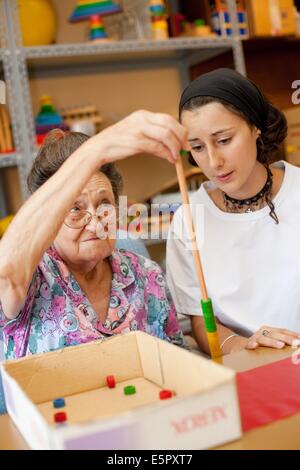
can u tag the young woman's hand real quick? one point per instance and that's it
(266, 336)
(141, 131)
(271, 337)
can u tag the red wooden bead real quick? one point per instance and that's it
(164, 394)
(110, 380)
(60, 417)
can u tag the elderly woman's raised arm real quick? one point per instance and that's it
(38, 221)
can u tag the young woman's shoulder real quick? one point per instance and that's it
(278, 177)
(286, 179)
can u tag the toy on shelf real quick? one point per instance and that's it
(37, 22)
(272, 17)
(6, 141)
(97, 30)
(221, 20)
(180, 26)
(197, 28)
(159, 19)
(48, 119)
(176, 24)
(201, 29)
(84, 119)
(94, 11)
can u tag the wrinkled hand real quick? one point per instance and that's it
(142, 131)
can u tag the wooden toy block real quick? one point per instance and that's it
(60, 417)
(59, 403)
(111, 382)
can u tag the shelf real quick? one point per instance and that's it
(8, 159)
(188, 172)
(271, 42)
(80, 53)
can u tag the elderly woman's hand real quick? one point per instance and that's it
(273, 338)
(142, 131)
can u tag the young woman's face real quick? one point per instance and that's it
(223, 145)
(82, 247)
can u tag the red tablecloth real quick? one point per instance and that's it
(269, 392)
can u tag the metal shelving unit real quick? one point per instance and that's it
(131, 47)
(9, 159)
(177, 52)
(18, 61)
(19, 102)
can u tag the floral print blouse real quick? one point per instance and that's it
(57, 312)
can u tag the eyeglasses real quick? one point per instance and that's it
(78, 218)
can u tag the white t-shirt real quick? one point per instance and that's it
(251, 265)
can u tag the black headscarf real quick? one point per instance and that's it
(234, 88)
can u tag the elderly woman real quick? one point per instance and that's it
(61, 282)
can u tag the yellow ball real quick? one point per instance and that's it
(37, 21)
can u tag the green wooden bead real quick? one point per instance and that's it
(129, 390)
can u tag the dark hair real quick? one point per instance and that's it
(271, 138)
(56, 149)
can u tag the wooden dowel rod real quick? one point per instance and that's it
(192, 233)
(2, 138)
(206, 305)
(6, 128)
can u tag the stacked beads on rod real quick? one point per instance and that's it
(159, 19)
(97, 30)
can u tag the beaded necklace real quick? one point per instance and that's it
(253, 203)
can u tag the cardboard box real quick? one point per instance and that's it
(203, 412)
(292, 143)
(271, 17)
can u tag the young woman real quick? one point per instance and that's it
(247, 217)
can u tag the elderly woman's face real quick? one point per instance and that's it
(82, 246)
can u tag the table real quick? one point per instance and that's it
(283, 434)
